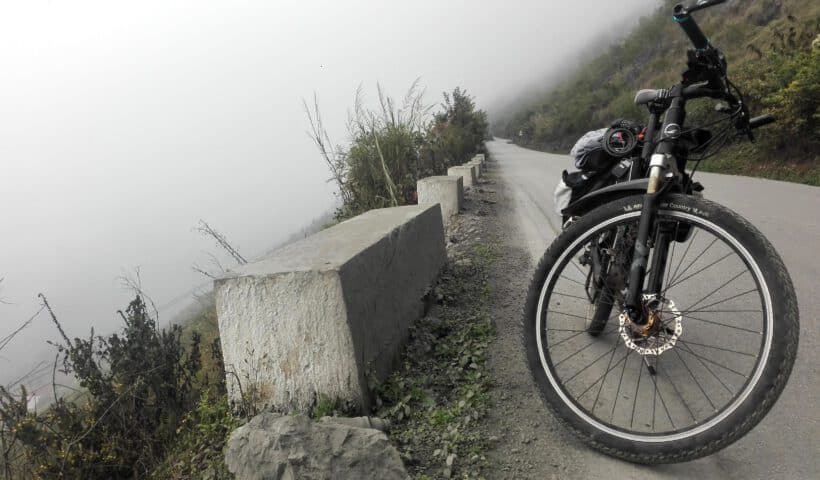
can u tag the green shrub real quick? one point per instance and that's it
(201, 437)
(456, 133)
(138, 386)
(394, 145)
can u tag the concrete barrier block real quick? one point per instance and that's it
(477, 165)
(445, 190)
(480, 157)
(476, 169)
(320, 315)
(467, 172)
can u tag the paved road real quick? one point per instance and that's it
(786, 444)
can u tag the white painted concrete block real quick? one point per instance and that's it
(467, 172)
(448, 191)
(320, 315)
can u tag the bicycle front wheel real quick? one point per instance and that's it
(705, 368)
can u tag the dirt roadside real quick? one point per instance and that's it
(520, 430)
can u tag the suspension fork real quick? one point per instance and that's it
(640, 257)
(659, 163)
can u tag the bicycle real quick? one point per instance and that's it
(660, 326)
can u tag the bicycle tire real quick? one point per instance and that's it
(759, 397)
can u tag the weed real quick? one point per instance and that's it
(325, 406)
(435, 400)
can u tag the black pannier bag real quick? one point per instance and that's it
(599, 156)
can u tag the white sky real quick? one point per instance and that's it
(123, 123)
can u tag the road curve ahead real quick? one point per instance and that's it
(786, 444)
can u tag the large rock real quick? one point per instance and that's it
(445, 190)
(273, 447)
(322, 315)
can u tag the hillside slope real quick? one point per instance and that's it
(768, 45)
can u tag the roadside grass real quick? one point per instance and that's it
(434, 401)
(744, 160)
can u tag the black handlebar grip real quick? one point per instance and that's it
(701, 4)
(761, 120)
(690, 27)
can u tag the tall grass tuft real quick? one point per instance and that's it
(394, 144)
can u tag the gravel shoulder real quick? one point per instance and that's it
(526, 441)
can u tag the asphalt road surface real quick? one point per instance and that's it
(786, 444)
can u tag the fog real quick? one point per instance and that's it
(123, 124)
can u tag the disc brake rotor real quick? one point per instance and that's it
(658, 334)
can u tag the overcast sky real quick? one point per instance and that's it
(124, 123)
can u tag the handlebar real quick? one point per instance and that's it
(708, 67)
(688, 24)
(761, 120)
(700, 90)
(701, 4)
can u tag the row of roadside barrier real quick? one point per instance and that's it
(323, 315)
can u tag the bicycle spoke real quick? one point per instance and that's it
(654, 400)
(690, 243)
(671, 261)
(691, 352)
(724, 311)
(694, 378)
(690, 342)
(635, 396)
(593, 342)
(600, 385)
(683, 400)
(567, 314)
(678, 282)
(568, 295)
(663, 403)
(720, 301)
(572, 280)
(717, 289)
(603, 376)
(583, 273)
(696, 259)
(578, 332)
(612, 350)
(713, 374)
(721, 324)
(618, 393)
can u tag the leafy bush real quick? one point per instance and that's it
(198, 450)
(137, 387)
(788, 85)
(393, 146)
(456, 133)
